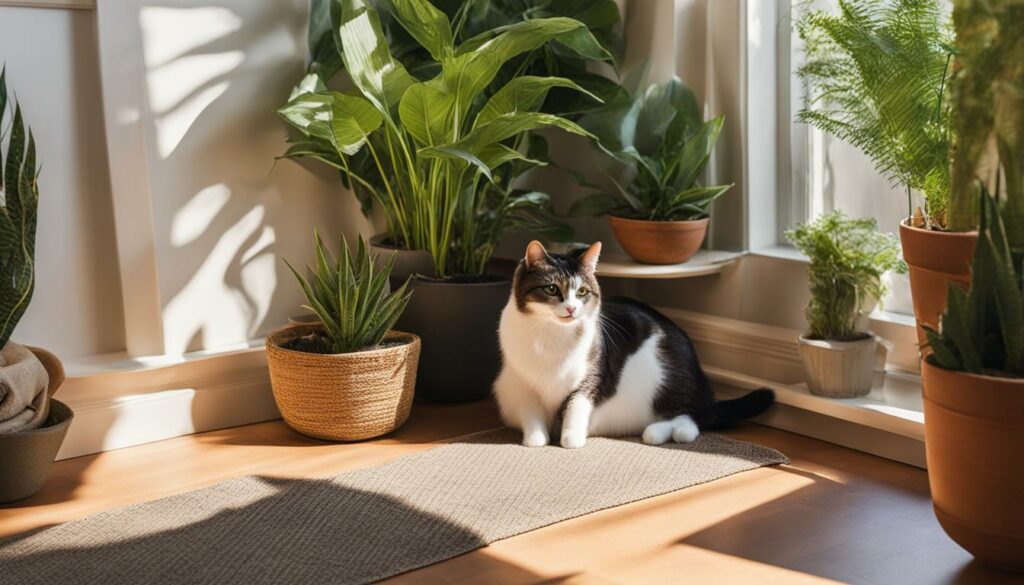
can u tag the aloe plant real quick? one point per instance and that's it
(982, 331)
(19, 202)
(441, 155)
(848, 258)
(351, 297)
(876, 77)
(660, 137)
(987, 91)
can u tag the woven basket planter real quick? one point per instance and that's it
(347, 396)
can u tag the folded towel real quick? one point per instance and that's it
(24, 401)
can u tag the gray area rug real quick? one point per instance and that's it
(368, 524)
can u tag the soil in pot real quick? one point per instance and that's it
(458, 322)
(407, 262)
(974, 443)
(659, 242)
(935, 258)
(342, 397)
(839, 369)
(26, 457)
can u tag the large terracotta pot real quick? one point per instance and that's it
(974, 441)
(458, 322)
(659, 242)
(935, 259)
(344, 396)
(407, 262)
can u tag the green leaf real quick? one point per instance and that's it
(428, 114)
(379, 76)
(353, 119)
(457, 154)
(508, 125)
(695, 154)
(595, 205)
(428, 25)
(311, 114)
(524, 94)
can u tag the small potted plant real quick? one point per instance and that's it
(974, 400)
(32, 424)
(348, 377)
(848, 258)
(660, 216)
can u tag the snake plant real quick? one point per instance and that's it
(351, 297)
(19, 202)
(982, 331)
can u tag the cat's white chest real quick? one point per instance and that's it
(551, 359)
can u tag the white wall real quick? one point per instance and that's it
(52, 67)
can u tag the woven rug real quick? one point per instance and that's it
(368, 524)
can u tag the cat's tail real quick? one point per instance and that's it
(728, 412)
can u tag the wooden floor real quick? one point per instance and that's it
(832, 515)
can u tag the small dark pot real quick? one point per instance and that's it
(407, 262)
(458, 323)
(26, 457)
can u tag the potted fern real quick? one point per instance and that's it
(877, 75)
(974, 398)
(848, 258)
(660, 216)
(440, 156)
(32, 424)
(348, 377)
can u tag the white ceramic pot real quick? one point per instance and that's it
(839, 369)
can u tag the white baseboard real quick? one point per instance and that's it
(127, 406)
(740, 356)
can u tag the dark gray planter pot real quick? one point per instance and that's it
(26, 457)
(458, 323)
(407, 262)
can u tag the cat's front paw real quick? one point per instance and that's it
(574, 440)
(535, 439)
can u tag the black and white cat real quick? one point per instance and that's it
(601, 367)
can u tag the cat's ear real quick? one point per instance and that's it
(535, 252)
(589, 258)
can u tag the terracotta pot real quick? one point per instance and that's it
(458, 322)
(27, 456)
(935, 259)
(974, 443)
(407, 262)
(344, 396)
(659, 242)
(839, 369)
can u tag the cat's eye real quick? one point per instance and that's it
(551, 289)
(582, 292)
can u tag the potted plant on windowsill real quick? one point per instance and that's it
(877, 74)
(848, 258)
(32, 424)
(443, 154)
(660, 216)
(974, 400)
(349, 377)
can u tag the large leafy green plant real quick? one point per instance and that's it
(987, 91)
(441, 155)
(351, 298)
(875, 76)
(848, 258)
(982, 331)
(660, 137)
(19, 203)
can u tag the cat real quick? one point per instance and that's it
(600, 367)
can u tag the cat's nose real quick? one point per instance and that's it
(571, 310)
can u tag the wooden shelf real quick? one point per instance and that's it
(703, 263)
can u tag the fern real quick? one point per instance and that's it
(848, 258)
(19, 202)
(875, 76)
